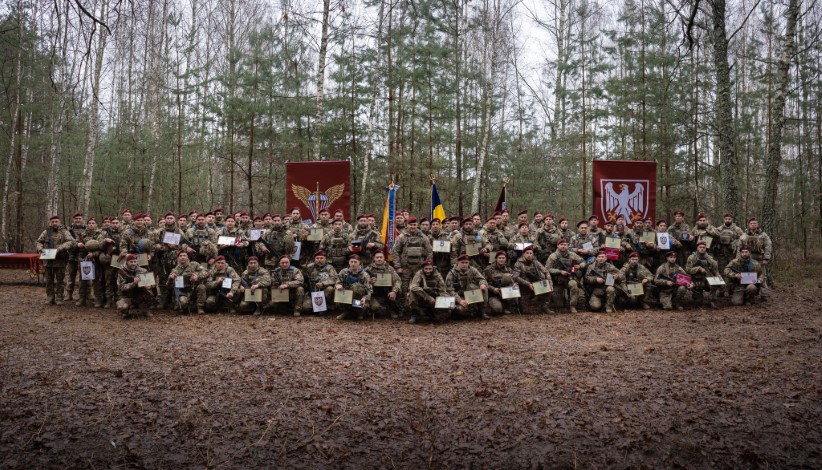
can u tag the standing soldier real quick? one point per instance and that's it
(365, 242)
(136, 239)
(346, 227)
(89, 247)
(335, 244)
(669, 291)
(320, 277)
(524, 237)
(759, 244)
(700, 267)
(194, 276)
(131, 294)
(595, 231)
(585, 244)
(744, 263)
(219, 219)
(165, 258)
(426, 286)
(527, 272)
(547, 238)
(635, 273)
(461, 279)
(287, 277)
(409, 252)
(538, 222)
(77, 229)
(182, 222)
(597, 277)
(493, 240)
(200, 241)
(254, 278)
(110, 249)
(55, 237)
(467, 242)
(324, 223)
(218, 296)
(275, 242)
(681, 240)
(400, 224)
(565, 268)
(125, 215)
(565, 232)
(702, 230)
(498, 275)
(442, 260)
(425, 227)
(725, 247)
(357, 280)
(234, 253)
(384, 298)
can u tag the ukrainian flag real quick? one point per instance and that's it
(437, 210)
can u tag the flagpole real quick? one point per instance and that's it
(431, 196)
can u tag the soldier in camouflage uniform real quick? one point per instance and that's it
(132, 295)
(596, 277)
(55, 237)
(426, 286)
(136, 239)
(493, 240)
(400, 224)
(635, 273)
(442, 260)
(275, 242)
(595, 231)
(356, 279)
(254, 278)
(759, 244)
(126, 219)
(462, 278)
(201, 244)
(320, 277)
(285, 276)
(324, 223)
(217, 296)
(90, 234)
(744, 263)
(219, 217)
(346, 227)
(408, 253)
(364, 241)
(538, 223)
(523, 237)
(335, 244)
(547, 239)
(194, 289)
(665, 279)
(236, 253)
(165, 258)
(110, 249)
(700, 267)
(498, 275)
(462, 239)
(77, 230)
(681, 240)
(565, 233)
(527, 272)
(725, 246)
(566, 268)
(384, 298)
(425, 227)
(647, 250)
(577, 244)
(702, 230)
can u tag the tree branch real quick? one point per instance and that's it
(93, 18)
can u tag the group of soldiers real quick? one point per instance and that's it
(280, 263)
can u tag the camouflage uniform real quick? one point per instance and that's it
(192, 291)
(424, 292)
(380, 303)
(696, 263)
(248, 278)
(573, 264)
(759, 243)
(498, 277)
(234, 255)
(360, 283)
(527, 273)
(215, 293)
(82, 298)
(442, 261)
(163, 262)
(132, 296)
(460, 241)
(527, 239)
(319, 278)
(635, 275)
(599, 292)
(597, 233)
(492, 241)
(73, 263)
(335, 245)
(547, 239)
(576, 243)
(202, 241)
(743, 293)
(681, 241)
(726, 242)
(294, 279)
(62, 240)
(409, 252)
(365, 236)
(458, 282)
(278, 241)
(108, 278)
(131, 241)
(670, 294)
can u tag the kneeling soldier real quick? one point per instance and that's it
(320, 277)
(499, 275)
(635, 273)
(287, 277)
(132, 295)
(744, 263)
(254, 278)
(384, 298)
(565, 268)
(220, 296)
(700, 267)
(425, 287)
(463, 278)
(194, 276)
(596, 276)
(665, 280)
(527, 272)
(355, 279)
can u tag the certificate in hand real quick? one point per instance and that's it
(345, 296)
(474, 296)
(146, 280)
(49, 253)
(253, 296)
(635, 288)
(226, 241)
(279, 296)
(715, 281)
(749, 278)
(613, 242)
(384, 280)
(442, 246)
(171, 238)
(543, 287)
(510, 292)
(445, 302)
(472, 249)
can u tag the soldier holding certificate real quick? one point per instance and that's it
(638, 281)
(58, 241)
(744, 276)
(531, 276)
(132, 295)
(356, 280)
(470, 288)
(700, 267)
(602, 278)
(287, 280)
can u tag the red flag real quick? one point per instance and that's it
(624, 187)
(502, 202)
(314, 186)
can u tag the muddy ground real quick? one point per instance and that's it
(732, 388)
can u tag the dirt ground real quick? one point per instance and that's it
(732, 388)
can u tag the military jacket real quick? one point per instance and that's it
(320, 277)
(705, 261)
(667, 272)
(739, 265)
(396, 282)
(359, 282)
(292, 277)
(427, 287)
(278, 241)
(758, 242)
(559, 262)
(60, 239)
(529, 272)
(410, 250)
(636, 274)
(457, 281)
(214, 283)
(125, 282)
(259, 276)
(499, 276)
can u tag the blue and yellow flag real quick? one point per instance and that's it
(437, 211)
(389, 230)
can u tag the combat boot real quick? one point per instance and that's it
(69, 295)
(344, 316)
(50, 300)
(413, 318)
(80, 303)
(296, 311)
(484, 316)
(573, 309)
(58, 300)
(98, 303)
(546, 308)
(609, 309)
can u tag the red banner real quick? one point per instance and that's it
(313, 186)
(624, 187)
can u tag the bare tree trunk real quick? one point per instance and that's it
(318, 119)
(376, 73)
(773, 159)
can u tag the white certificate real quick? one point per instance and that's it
(227, 283)
(226, 241)
(635, 288)
(663, 240)
(510, 292)
(256, 234)
(146, 280)
(445, 302)
(521, 246)
(298, 247)
(171, 238)
(49, 253)
(609, 279)
(318, 302)
(588, 246)
(179, 282)
(543, 287)
(748, 278)
(715, 281)
(442, 246)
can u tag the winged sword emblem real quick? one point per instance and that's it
(309, 198)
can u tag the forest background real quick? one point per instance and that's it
(192, 104)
